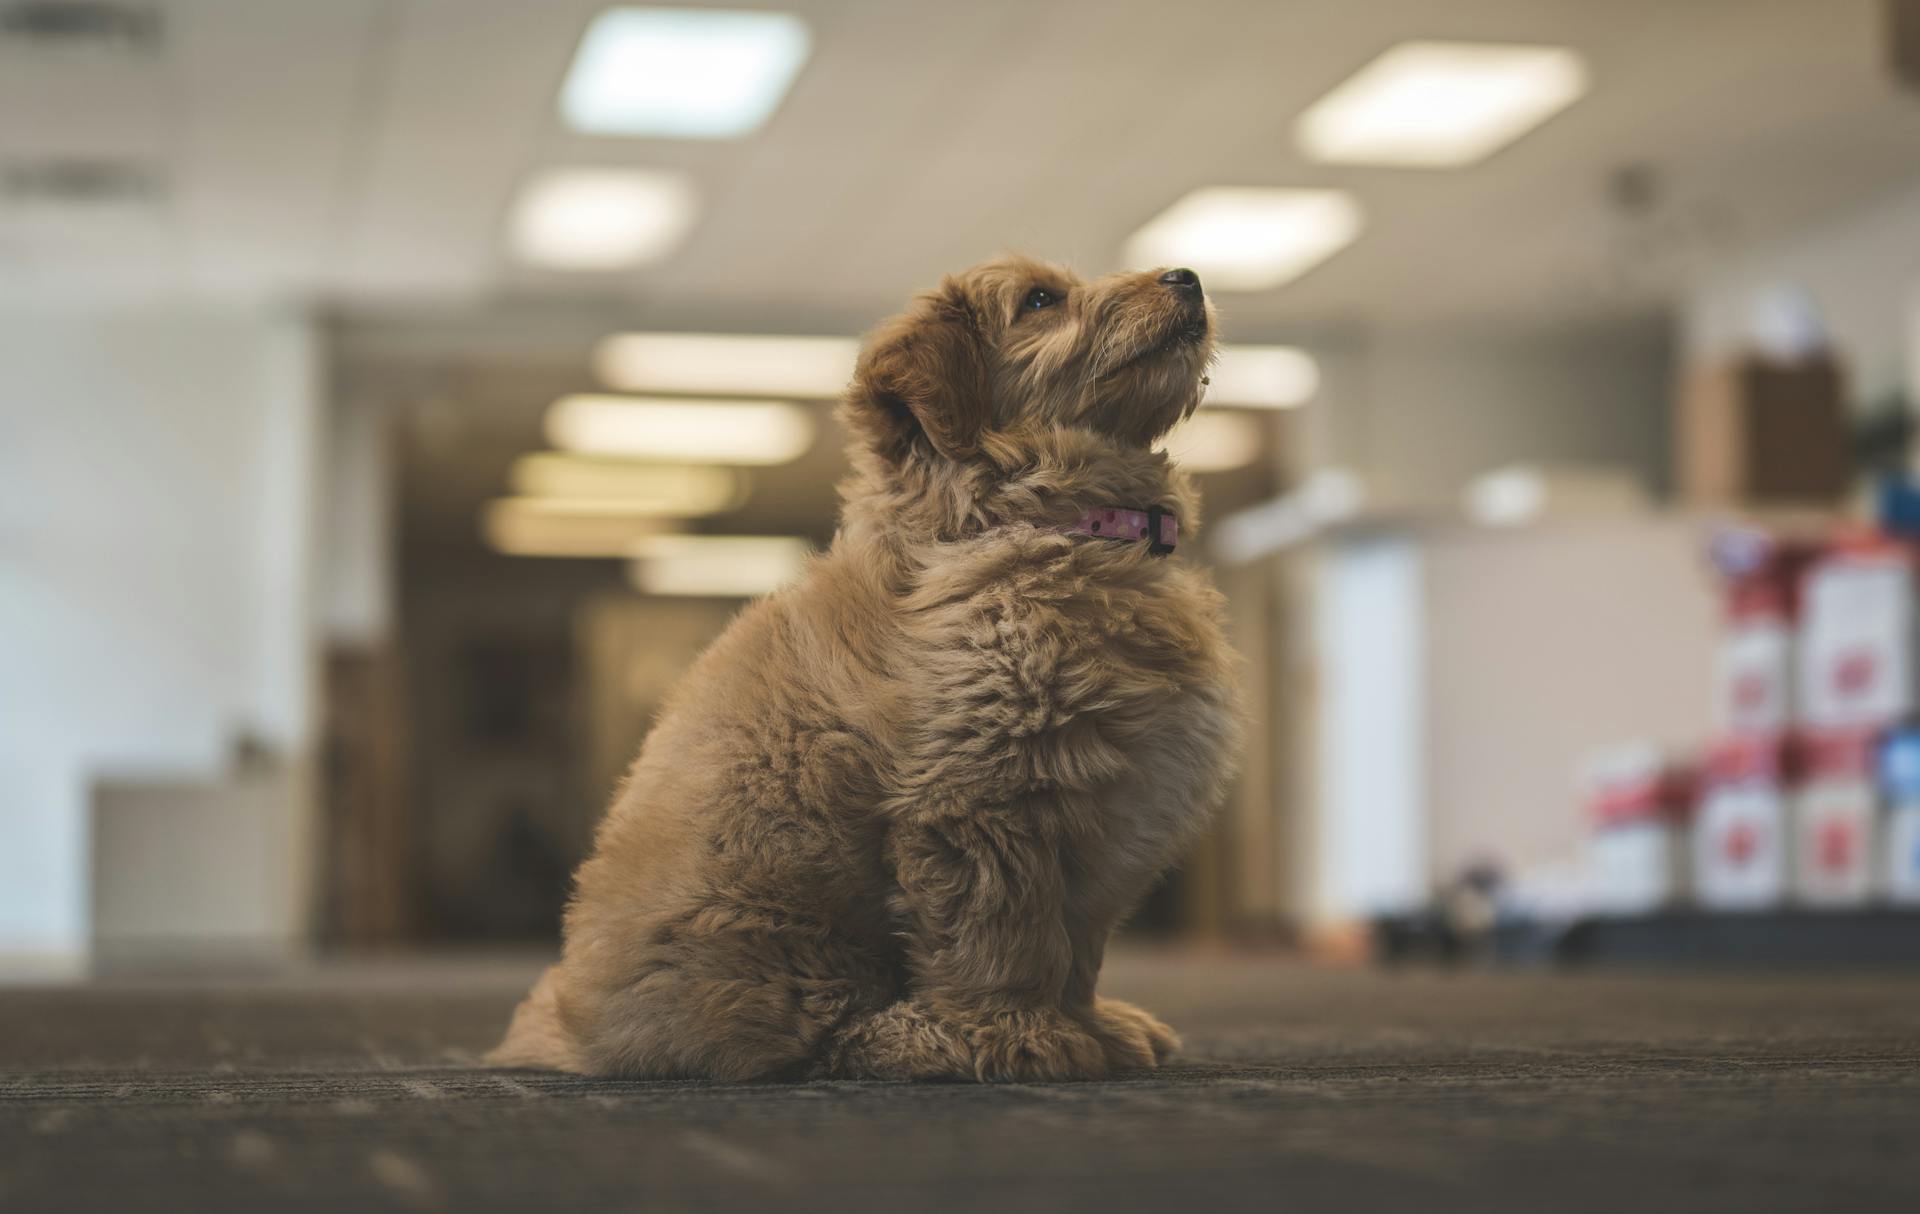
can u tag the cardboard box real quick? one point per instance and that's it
(1753, 432)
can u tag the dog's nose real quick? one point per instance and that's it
(1184, 281)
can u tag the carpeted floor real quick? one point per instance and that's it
(355, 1088)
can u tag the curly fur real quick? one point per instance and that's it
(887, 822)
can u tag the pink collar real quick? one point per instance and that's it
(1157, 526)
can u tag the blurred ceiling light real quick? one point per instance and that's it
(601, 219)
(678, 490)
(1506, 497)
(1323, 498)
(682, 73)
(1440, 104)
(1244, 239)
(817, 367)
(1266, 377)
(716, 566)
(520, 526)
(665, 428)
(1215, 440)
(1525, 493)
(1331, 495)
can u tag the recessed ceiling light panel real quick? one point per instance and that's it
(695, 431)
(1506, 497)
(1441, 104)
(716, 566)
(601, 219)
(1216, 440)
(671, 490)
(521, 526)
(1243, 239)
(682, 73)
(810, 367)
(1263, 377)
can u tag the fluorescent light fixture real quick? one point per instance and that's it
(1506, 497)
(672, 490)
(522, 526)
(1440, 104)
(1524, 493)
(1331, 495)
(1263, 377)
(716, 566)
(698, 431)
(601, 219)
(682, 73)
(814, 367)
(1323, 499)
(1216, 440)
(1244, 239)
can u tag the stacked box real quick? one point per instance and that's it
(1856, 681)
(1834, 815)
(1811, 794)
(1740, 829)
(1857, 638)
(1740, 842)
(1635, 850)
(1753, 670)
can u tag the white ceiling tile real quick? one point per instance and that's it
(464, 94)
(365, 151)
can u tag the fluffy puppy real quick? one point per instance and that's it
(886, 823)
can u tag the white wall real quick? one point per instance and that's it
(1370, 842)
(1862, 267)
(155, 542)
(1545, 644)
(356, 556)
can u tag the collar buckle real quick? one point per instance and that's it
(1155, 534)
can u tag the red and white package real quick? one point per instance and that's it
(1634, 853)
(1834, 817)
(1740, 831)
(1753, 670)
(1857, 638)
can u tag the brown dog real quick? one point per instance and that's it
(887, 822)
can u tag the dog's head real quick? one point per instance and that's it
(1017, 344)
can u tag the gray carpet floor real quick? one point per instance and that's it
(355, 1087)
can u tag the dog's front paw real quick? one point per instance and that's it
(1016, 1046)
(1134, 1039)
(900, 1042)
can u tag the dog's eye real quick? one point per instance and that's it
(1039, 298)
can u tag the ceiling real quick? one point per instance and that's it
(361, 154)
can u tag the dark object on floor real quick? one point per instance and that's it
(353, 1088)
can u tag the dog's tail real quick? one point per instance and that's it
(537, 1040)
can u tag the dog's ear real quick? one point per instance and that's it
(925, 372)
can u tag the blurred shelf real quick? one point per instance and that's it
(1868, 938)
